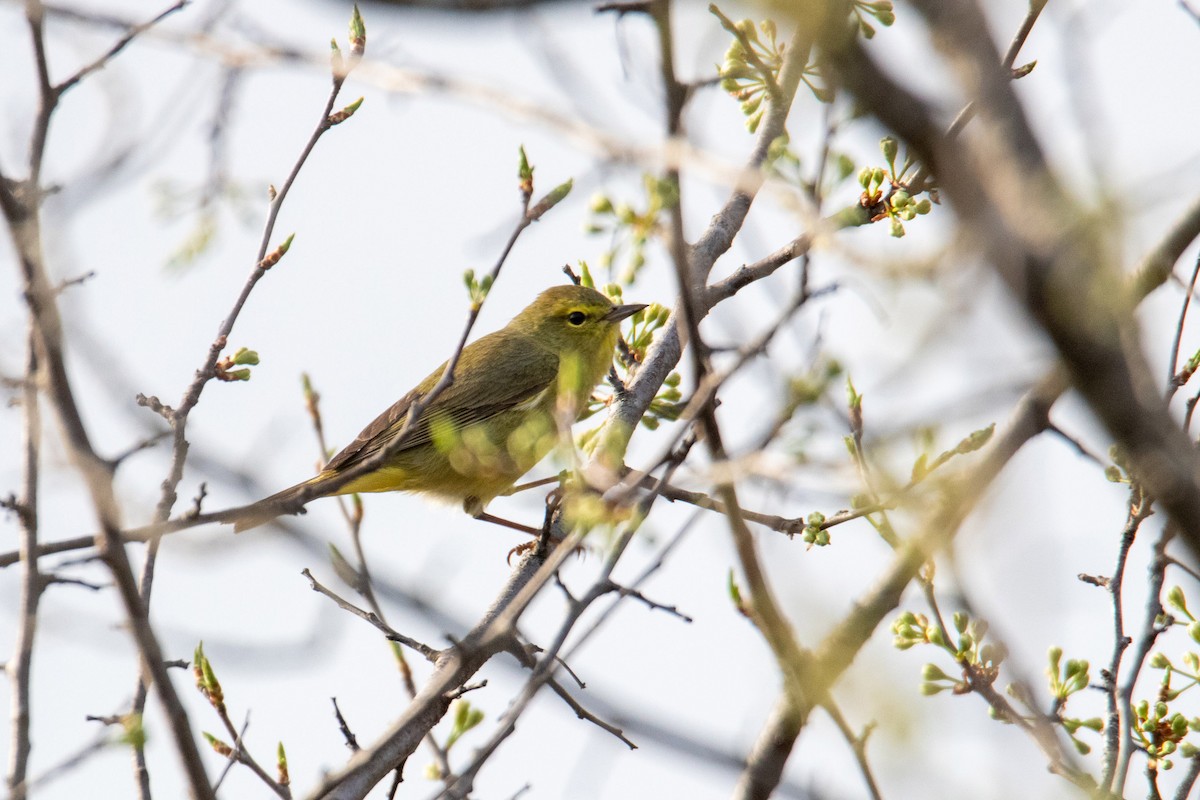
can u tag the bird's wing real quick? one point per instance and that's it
(473, 397)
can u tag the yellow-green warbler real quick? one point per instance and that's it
(494, 422)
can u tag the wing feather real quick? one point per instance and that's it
(476, 394)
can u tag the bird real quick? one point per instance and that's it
(495, 421)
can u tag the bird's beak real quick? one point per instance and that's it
(621, 312)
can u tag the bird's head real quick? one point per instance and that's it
(574, 320)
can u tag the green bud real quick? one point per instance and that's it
(960, 621)
(218, 746)
(897, 230)
(889, 147)
(133, 732)
(245, 356)
(930, 689)
(816, 518)
(843, 166)
(281, 765)
(932, 672)
(1082, 747)
(601, 204)
(735, 593)
(1175, 598)
(335, 58)
(864, 177)
(1113, 474)
(524, 171)
(462, 711)
(746, 28)
(338, 117)
(1159, 661)
(559, 192)
(923, 206)
(358, 32)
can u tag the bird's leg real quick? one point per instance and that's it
(506, 523)
(545, 539)
(474, 507)
(520, 487)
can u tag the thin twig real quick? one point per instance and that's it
(1139, 509)
(18, 668)
(425, 650)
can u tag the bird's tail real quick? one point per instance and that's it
(263, 511)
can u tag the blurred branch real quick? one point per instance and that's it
(1159, 263)
(18, 668)
(770, 753)
(1051, 258)
(21, 207)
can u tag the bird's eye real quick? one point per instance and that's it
(576, 317)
